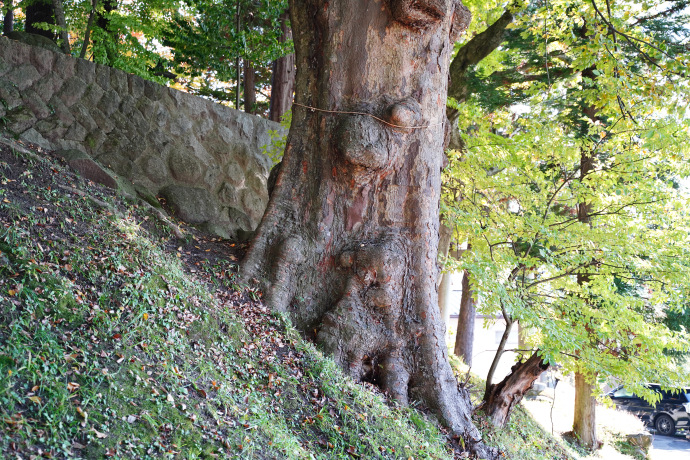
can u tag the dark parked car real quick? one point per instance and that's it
(672, 412)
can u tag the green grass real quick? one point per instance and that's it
(113, 345)
(110, 346)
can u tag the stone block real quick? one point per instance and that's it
(118, 81)
(4, 65)
(33, 100)
(83, 116)
(64, 66)
(76, 132)
(229, 195)
(103, 77)
(72, 90)
(87, 167)
(19, 119)
(193, 205)
(136, 86)
(92, 95)
(153, 90)
(94, 140)
(254, 205)
(155, 169)
(112, 159)
(43, 60)
(9, 95)
(48, 85)
(61, 110)
(86, 71)
(128, 104)
(104, 123)
(51, 128)
(33, 136)
(110, 102)
(23, 76)
(15, 53)
(185, 167)
(235, 174)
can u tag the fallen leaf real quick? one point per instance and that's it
(170, 399)
(131, 419)
(82, 413)
(72, 387)
(145, 316)
(35, 399)
(99, 435)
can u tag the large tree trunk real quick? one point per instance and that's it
(283, 77)
(8, 20)
(585, 421)
(464, 339)
(501, 398)
(39, 11)
(348, 244)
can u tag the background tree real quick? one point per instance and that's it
(206, 45)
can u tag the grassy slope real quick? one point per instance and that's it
(118, 340)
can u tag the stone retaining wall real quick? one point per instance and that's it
(204, 158)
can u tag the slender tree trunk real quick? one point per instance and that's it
(283, 77)
(8, 20)
(584, 423)
(584, 420)
(238, 59)
(348, 245)
(502, 397)
(89, 26)
(249, 87)
(36, 12)
(464, 339)
(444, 281)
(62, 24)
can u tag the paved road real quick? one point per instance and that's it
(670, 448)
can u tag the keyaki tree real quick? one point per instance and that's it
(576, 221)
(348, 244)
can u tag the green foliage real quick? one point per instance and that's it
(596, 292)
(205, 41)
(274, 150)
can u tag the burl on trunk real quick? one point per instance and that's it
(348, 243)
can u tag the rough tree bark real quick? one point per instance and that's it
(8, 20)
(348, 244)
(584, 416)
(37, 12)
(283, 76)
(464, 339)
(500, 398)
(249, 87)
(62, 24)
(584, 419)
